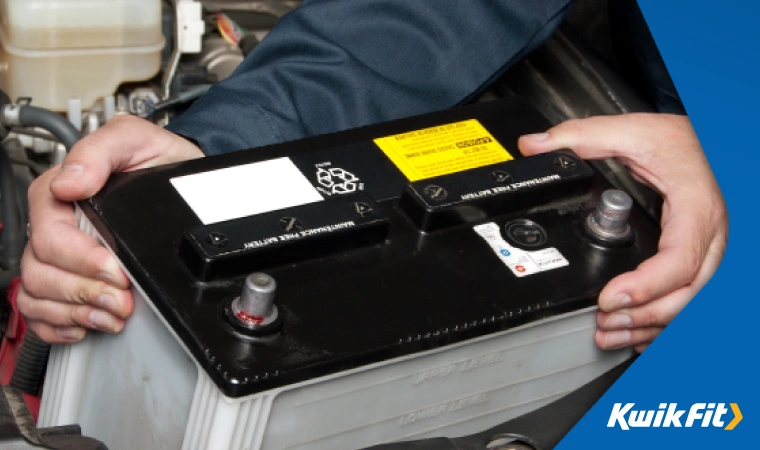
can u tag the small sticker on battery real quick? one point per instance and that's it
(443, 149)
(520, 262)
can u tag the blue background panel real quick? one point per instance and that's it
(709, 353)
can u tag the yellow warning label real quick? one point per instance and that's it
(443, 149)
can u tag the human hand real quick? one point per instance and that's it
(663, 152)
(70, 282)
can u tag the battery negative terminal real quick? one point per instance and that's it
(255, 310)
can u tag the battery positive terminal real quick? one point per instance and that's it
(608, 224)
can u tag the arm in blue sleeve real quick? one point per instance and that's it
(331, 65)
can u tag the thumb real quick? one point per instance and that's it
(591, 138)
(124, 143)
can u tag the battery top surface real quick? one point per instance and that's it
(384, 241)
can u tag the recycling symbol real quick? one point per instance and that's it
(337, 180)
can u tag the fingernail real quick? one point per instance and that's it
(619, 301)
(617, 321)
(110, 268)
(109, 303)
(537, 137)
(617, 339)
(102, 320)
(70, 333)
(107, 277)
(69, 172)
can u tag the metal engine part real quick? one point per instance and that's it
(220, 58)
(216, 60)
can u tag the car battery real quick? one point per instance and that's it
(403, 280)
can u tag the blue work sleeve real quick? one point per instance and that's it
(331, 65)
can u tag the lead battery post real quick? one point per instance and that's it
(254, 310)
(608, 224)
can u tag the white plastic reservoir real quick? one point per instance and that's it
(55, 50)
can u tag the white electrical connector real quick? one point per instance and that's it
(190, 26)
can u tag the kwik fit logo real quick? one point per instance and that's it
(668, 415)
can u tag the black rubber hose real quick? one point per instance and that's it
(182, 98)
(31, 364)
(12, 235)
(56, 124)
(22, 199)
(38, 169)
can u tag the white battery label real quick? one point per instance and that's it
(247, 190)
(520, 262)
